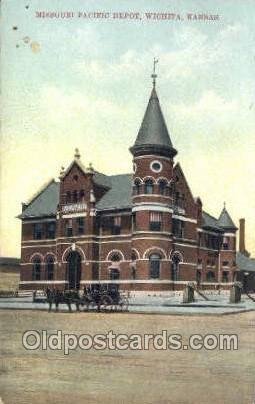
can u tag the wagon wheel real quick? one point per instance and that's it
(106, 303)
(86, 305)
(124, 303)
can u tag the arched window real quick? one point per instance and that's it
(198, 276)
(148, 187)
(50, 268)
(133, 256)
(225, 276)
(133, 272)
(175, 267)
(155, 266)
(162, 186)
(133, 265)
(36, 272)
(82, 195)
(137, 187)
(115, 257)
(75, 196)
(68, 197)
(114, 274)
(210, 276)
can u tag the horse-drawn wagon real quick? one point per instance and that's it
(98, 297)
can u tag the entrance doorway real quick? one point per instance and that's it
(74, 270)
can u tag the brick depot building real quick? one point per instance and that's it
(144, 230)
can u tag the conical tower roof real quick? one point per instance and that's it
(153, 136)
(225, 220)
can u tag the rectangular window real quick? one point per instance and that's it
(116, 225)
(225, 243)
(69, 227)
(51, 230)
(225, 276)
(134, 221)
(155, 221)
(38, 231)
(178, 228)
(80, 225)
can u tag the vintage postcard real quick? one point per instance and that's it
(127, 263)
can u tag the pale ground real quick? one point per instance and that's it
(9, 278)
(126, 376)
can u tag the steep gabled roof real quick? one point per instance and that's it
(44, 204)
(225, 220)
(78, 163)
(210, 222)
(118, 196)
(178, 167)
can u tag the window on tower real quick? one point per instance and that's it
(154, 266)
(148, 187)
(178, 228)
(137, 187)
(155, 221)
(162, 187)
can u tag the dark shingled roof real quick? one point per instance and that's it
(225, 220)
(118, 196)
(210, 222)
(45, 203)
(153, 131)
(245, 263)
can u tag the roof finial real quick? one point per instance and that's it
(90, 168)
(224, 205)
(154, 75)
(62, 172)
(77, 154)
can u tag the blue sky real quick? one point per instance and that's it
(85, 83)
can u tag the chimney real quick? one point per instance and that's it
(242, 235)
